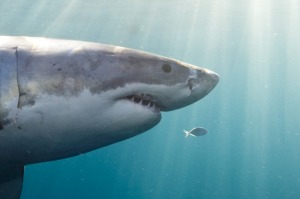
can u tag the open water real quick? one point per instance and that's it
(252, 149)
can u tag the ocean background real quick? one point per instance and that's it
(252, 149)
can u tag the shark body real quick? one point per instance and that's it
(61, 98)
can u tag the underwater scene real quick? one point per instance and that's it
(247, 144)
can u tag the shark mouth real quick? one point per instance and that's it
(145, 100)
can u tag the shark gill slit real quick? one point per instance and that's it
(17, 75)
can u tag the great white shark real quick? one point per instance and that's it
(61, 98)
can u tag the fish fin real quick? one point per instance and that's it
(186, 133)
(11, 181)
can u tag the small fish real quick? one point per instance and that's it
(198, 131)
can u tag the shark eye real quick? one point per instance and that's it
(166, 68)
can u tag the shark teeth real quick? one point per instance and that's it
(145, 101)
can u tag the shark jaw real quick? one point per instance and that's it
(146, 101)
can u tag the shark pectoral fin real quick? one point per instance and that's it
(11, 181)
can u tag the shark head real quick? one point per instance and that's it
(166, 83)
(145, 84)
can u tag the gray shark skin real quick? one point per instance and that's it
(61, 98)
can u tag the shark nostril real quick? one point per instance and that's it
(192, 83)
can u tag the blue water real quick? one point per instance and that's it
(252, 149)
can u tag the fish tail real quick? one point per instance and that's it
(186, 133)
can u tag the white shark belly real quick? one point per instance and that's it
(57, 127)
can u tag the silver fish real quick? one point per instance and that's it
(198, 131)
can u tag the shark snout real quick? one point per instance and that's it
(202, 82)
(198, 84)
(211, 77)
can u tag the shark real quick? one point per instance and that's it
(61, 98)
